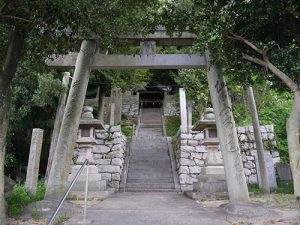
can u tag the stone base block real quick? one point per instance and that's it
(95, 181)
(186, 187)
(210, 184)
(202, 196)
(213, 170)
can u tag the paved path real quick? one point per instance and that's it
(150, 208)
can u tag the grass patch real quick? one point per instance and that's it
(126, 125)
(282, 188)
(172, 125)
(254, 188)
(20, 197)
(62, 218)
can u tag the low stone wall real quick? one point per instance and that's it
(248, 148)
(191, 154)
(171, 108)
(107, 154)
(130, 105)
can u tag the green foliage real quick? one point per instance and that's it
(283, 187)
(127, 131)
(255, 189)
(20, 197)
(195, 83)
(61, 218)
(172, 125)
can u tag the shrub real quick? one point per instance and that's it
(20, 197)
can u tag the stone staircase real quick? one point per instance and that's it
(150, 167)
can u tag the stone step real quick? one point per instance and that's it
(151, 180)
(141, 156)
(150, 125)
(149, 151)
(150, 190)
(150, 176)
(150, 185)
(150, 164)
(133, 168)
(148, 138)
(150, 161)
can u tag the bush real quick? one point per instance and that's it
(20, 197)
(172, 125)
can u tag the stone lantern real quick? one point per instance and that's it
(85, 142)
(212, 177)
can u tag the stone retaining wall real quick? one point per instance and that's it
(248, 148)
(107, 153)
(191, 154)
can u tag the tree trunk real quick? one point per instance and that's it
(14, 51)
(63, 154)
(58, 119)
(293, 127)
(101, 99)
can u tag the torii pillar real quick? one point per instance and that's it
(60, 168)
(234, 172)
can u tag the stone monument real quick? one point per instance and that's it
(86, 140)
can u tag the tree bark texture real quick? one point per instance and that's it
(258, 141)
(234, 172)
(63, 154)
(14, 51)
(293, 127)
(58, 120)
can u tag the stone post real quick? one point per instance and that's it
(234, 172)
(190, 115)
(183, 113)
(69, 128)
(116, 98)
(258, 141)
(58, 119)
(112, 114)
(34, 160)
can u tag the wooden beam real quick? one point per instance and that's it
(155, 61)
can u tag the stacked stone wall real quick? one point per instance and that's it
(249, 152)
(191, 154)
(171, 108)
(108, 153)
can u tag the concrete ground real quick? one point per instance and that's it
(171, 208)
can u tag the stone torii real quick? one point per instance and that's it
(87, 60)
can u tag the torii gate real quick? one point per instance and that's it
(87, 60)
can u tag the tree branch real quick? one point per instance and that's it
(265, 62)
(15, 18)
(233, 36)
(254, 60)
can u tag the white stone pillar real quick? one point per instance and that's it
(183, 111)
(190, 115)
(69, 128)
(112, 114)
(234, 172)
(34, 160)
